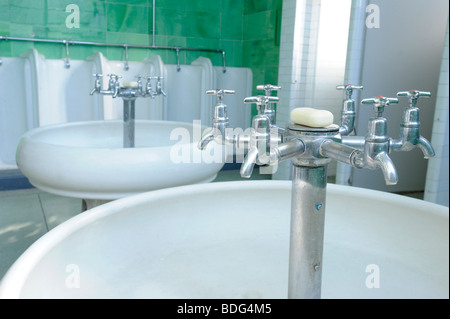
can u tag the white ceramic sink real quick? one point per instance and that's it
(86, 159)
(230, 240)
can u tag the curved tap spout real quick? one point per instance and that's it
(206, 139)
(425, 147)
(249, 163)
(384, 162)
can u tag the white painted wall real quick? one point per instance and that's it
(403, 54)
(437, 182)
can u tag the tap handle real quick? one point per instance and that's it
(268, 88)
(220, 93)
(379, 103)
(98, 83)
(413, 96)
(114, 76)
(349, 89)
(261, 99)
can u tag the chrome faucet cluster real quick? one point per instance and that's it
(311, 149)
(269, 144)
(129, 92)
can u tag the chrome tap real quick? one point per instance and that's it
(377, 142)
(140, 90)
(267, 102)
(409, 136)
(220, 120)
(114, 85)
(348, 112)
(159, 89)
(98, 83)
(265, 106)
(259, 148)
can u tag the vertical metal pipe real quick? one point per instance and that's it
(307, 232)
(128, 123)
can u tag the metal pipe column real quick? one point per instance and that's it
(128, 122)
(307, 232)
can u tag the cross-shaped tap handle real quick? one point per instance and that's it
(349, 89)
(379, 103)
(220, 93)
(114, 76)
(413, 96)
(268, 88)
(261, 99)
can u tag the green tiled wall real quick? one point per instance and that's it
(248, 30)
(261, 41)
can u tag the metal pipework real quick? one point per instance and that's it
(409, 136)
(307, 232)
(310, 151)
(308, 210)
(129, 94)
(125, 46)
(348, 112)
(128, 122)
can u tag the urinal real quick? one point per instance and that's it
(186, 99)
(16, 112)
(60, 90)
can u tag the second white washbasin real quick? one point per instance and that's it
(87, 159)
(231, 240)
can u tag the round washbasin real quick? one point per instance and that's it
(230, 240)
(87, 159)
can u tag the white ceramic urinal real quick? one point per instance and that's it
(16, 112)
(207, 103)
(157, 111)
(62, 93)
(186, 97)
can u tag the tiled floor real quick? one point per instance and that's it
(26, 215)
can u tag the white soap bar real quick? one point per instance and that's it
(130, 84)
(311, 117)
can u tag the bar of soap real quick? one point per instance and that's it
(311, 117)
(130, 84)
